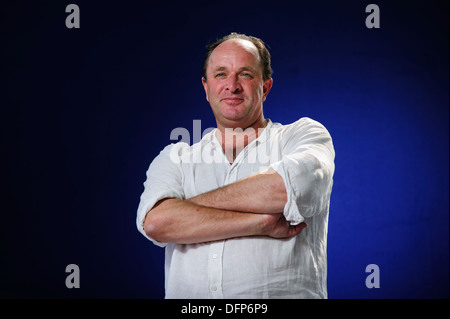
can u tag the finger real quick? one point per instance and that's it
(297, 229)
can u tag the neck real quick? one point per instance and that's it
(260, 122)
(234, 139)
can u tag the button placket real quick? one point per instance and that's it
(215, 269)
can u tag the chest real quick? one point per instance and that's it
(207, 174)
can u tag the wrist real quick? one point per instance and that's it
(266, 223)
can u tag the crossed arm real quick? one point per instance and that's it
(250, 207)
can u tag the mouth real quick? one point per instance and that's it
(233, 100)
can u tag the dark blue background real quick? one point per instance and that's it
(84, 112)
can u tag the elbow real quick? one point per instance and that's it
(321, 175)
(322, 178)
(315, 197)
(150, 227)
(157, 223)
(154, 227)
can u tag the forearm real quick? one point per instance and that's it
(261, 193)
(177, 221)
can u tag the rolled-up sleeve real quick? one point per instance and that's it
(307, 168)
(164, 180)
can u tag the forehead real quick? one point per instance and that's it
(234, 51)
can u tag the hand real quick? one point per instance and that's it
(278, 227)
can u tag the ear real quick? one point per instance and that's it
(267, 85)
(205, 86)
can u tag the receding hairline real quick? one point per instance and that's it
(248, 46)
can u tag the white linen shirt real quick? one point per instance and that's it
(249, 267)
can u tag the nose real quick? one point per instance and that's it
(234, 85)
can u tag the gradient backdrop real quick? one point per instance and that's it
(84, 112)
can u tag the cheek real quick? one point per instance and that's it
(258, 91)
(214, 90)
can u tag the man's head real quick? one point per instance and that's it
(237, 78)
(263, 53)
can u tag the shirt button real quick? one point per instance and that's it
(214, 256)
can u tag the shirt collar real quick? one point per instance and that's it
(261, 138)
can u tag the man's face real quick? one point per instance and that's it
(234, 86)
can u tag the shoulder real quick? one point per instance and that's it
(304, 125)
(306, 122)
(304, 134)
(175, 148)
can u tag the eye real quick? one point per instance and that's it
(220, 75)
(247, 75)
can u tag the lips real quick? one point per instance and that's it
(233, 100)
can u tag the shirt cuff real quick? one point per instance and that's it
(290, 211)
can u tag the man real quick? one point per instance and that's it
(250, 219)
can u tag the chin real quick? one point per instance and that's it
(233, 116)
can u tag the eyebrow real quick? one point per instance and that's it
(245, 68)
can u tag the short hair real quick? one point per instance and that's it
(264, 55)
